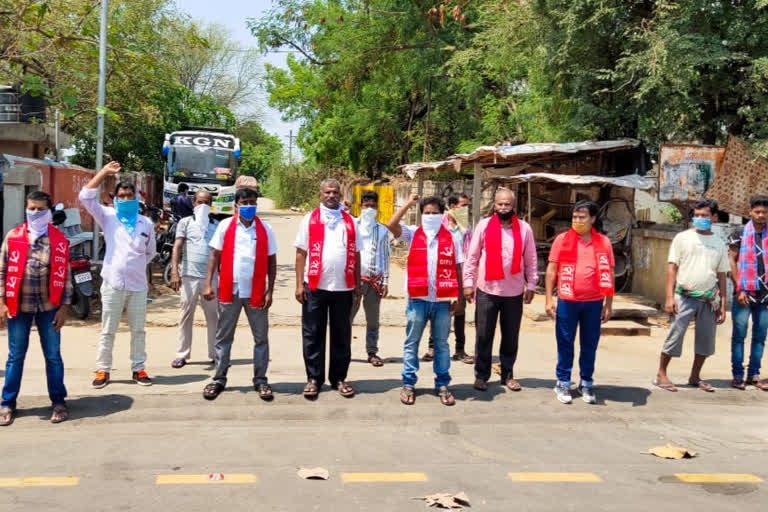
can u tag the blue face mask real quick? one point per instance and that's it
(127, 212)
(247, 212)
(702, 223)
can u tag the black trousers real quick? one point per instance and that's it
(458, 333)
(315, 312)
(488, 309)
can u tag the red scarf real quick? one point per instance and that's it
(316, 241)
(494, 269)
(567, 267)
(18, 248)
(418, 267)
(227, 264)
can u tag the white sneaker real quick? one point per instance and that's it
(588, 394)
(563, 392)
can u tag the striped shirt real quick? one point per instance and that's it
(374, 255)
(35, 285)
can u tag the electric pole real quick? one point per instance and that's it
(100, 111)
(290, 147)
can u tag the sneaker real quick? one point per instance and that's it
(563, 392)
(588, 394)
(141, 378)
(101, 380)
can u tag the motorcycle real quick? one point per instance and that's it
(165, 240)
(80, 265)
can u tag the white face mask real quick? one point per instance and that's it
(201, 215)
(431, 224)
(367, 220)
(37, 222)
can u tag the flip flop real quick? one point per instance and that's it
(375, 360)
(738, 384)
(178, 363)
(408, 395)
(345, 389)
(7, 415)
(667, 386)
(704, 386)
(513, 385)
(446, 397)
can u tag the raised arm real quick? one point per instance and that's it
(89, 195)
(394, 223)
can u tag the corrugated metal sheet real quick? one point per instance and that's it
(630, 181)
(513, 155)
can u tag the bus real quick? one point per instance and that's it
(203, 158)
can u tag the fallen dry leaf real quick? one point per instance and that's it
(446, 501)
(313, 473)
(670, 451)
(496, 368)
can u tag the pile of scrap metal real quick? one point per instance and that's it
(549, 179)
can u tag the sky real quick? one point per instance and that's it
(232, 14)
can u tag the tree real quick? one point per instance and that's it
(217, 67)
(262, 151)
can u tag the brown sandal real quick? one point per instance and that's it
(480, 385)
(311, 390)
(60, 413)
(345, 389)
(759, 384)
(738, 384)
(408, 395)
(513, 385)
(375, 360)
(7, 416)
(446, 397)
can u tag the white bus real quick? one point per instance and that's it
(203, 158)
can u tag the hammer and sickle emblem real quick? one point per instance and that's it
(14, 256)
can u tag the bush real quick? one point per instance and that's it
(296, 185)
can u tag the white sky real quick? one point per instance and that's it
(232, 14)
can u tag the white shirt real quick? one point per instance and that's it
(432, 244)
(126, 256)
(372, 264)
(245, 252)
(333, 277)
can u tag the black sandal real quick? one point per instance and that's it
(212, 390)
(311, 390)
(345, 389)
(265, 392)
(375, 360)
(446, 397)
(408, 395)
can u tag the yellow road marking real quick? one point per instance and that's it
(229, 478)
(383, 477)
(40, 481)
(717, 478)
(554, 477)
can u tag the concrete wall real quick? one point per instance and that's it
(650, 249)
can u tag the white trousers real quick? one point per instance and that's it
(113, 301)
(191, 293)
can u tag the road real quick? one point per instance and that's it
(125, 441)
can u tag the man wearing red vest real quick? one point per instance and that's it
(326, 286)
(501, 263)
(581, 265)
(35, 287)
(244, 255)
(434, 266)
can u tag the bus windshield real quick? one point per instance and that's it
(205, 163)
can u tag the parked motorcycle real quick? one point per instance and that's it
(80, 264)
(165, 240)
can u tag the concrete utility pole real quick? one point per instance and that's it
(100, 110)
(290, 147)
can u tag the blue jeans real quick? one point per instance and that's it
(585, 316)
(417, 313)
(741, 314)
(18, 342)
